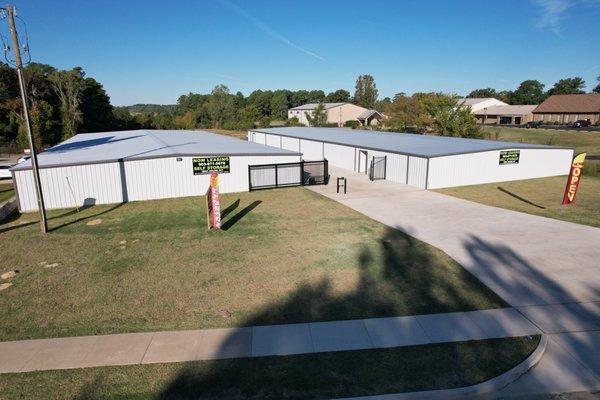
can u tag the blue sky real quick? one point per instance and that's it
(155, 51)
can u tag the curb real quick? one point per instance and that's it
(484, 388)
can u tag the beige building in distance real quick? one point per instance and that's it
(568, 108)
(337, 113)
(505, 115)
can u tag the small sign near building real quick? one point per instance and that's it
(207, 165)
(509, 157)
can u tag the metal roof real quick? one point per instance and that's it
(367, 114)
(507, 110)
(426, 146)
(312, 106)
(471, 101)
(103, 147)
(571, 103)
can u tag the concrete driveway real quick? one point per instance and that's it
(548, 269)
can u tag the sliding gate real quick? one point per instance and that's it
(303, 173)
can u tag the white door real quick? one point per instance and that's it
(362, 161)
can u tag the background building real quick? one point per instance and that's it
(477, 104)
(423, 161)
(115, 167)
(337, 113)
(568, 108)
(505, 115)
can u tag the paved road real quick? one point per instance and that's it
(548, 269)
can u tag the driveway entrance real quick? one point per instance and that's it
(549, 270)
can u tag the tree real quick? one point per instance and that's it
(43, 126)
(220, 105)
(316, 96)
(483, 93)
(280, 104)
(381, 105)
(339, 96)
(597, 88)
(456, 121)
(318, 117)
(68, 86)
(568, 86)
(529, 92)
(407, 112)
(366, 92)
(96, 110)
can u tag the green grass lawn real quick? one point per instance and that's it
(580, 141)
(287, 256)
(6, 192)
(541, 196)
(314, 376)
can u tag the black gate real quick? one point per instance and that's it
(303, 173)
(378, 167)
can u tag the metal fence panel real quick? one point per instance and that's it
(301, 173)
(378, 168)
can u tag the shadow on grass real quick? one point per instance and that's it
(15, 216)
(516, 196)
(241, 214)
(402, 280)
(406, 265)
(230, 208)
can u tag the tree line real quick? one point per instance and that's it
(66, 102)
(532, 91)
(222, 109)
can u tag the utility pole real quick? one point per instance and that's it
(10, 9)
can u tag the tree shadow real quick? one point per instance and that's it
(400, 268)
(401, 280)
(241, 214)
(516, 196)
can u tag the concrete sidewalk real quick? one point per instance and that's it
(547, 269)
(259, 341)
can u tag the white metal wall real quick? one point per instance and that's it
(290, 144)
(131, 181)
(417, 172)
(311, 150)
(476, 168)
(272, 140)
(347, 157)
(340, 156)
(435, 173)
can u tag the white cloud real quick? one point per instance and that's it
(268, 30)
(552, 13)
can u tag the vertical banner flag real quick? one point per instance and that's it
(214, 202)
(574, 179)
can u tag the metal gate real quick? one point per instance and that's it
(378, 168)
(303, 173)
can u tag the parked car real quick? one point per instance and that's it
(582, 123)
(4, 172)
(533, 124)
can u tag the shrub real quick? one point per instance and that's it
(351, 124)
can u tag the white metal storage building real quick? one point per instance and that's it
(114, 167)
(423, 161)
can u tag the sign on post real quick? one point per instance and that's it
(208, 165)
(574, 179)
(509, 157)
(213, 203)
